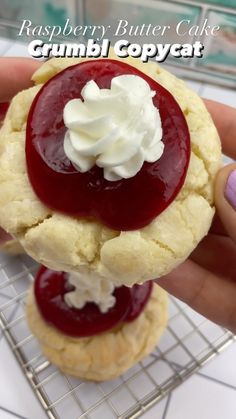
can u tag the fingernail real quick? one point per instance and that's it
(230, 189)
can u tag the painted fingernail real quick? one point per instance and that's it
(230, 189)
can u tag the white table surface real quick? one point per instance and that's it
(208, 394)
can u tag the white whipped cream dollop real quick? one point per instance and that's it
(90, 287)
(118, 129)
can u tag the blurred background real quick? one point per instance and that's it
(218, 64)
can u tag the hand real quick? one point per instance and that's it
(15, 75)
(207, 280)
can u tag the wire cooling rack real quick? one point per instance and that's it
(189, 342)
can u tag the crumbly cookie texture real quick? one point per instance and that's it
(125, 257)
(106, 356)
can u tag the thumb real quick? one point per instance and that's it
(225, 198)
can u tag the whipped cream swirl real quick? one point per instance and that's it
(90, 287)
(118, 129)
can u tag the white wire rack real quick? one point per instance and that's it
(188, 343)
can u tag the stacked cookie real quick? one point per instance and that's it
(70, 242)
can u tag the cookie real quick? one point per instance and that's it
(127, 257)
(105, 356)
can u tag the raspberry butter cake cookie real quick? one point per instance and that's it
(7, 243)
(97, 341)
(106, 178)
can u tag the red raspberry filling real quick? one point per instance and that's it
(126, 204)
(50, 288)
